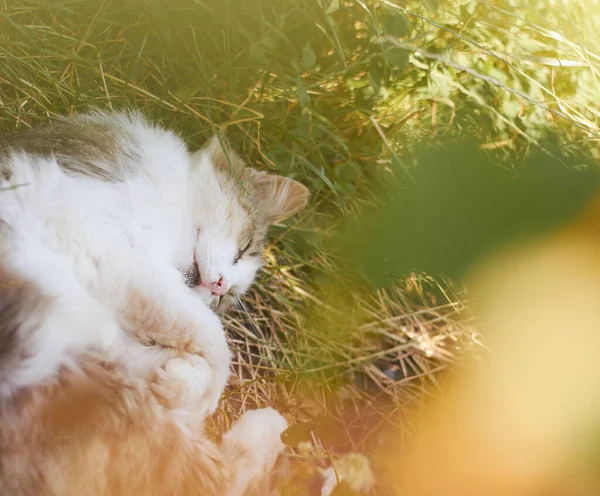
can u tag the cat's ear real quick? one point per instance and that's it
(222, 155)
(217, 144)
(279, 197)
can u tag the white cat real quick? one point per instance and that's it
(115, 243)
(120, 227)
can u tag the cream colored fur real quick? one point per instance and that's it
(92, 431)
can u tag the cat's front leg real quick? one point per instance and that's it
(178, 380)
(159, 308)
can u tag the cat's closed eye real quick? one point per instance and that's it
(242, 251)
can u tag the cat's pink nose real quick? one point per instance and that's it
(218, 287)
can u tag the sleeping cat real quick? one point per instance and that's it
(112, 233)
(108, 216)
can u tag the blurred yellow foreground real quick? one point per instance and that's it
(526, 420)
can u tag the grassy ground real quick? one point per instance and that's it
(333, 93)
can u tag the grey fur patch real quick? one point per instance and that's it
(19, 299)
(93, 145)
(12, 300)
(236, 179)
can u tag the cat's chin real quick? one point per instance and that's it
(205, 295)
(219, 304)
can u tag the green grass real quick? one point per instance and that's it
(333, 93)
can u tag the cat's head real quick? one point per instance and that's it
(233, 206)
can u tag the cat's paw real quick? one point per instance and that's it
(207, 339)
(198, 335)
(183, 383)
(218, 359)
(259, 430)
(252, 446)
(202, 334)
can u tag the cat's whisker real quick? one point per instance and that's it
(238, 304)
(241, 306)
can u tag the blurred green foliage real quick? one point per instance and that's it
(461, 206)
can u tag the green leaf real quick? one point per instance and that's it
(432, 5)
(308, 57)
(349, 172)
(317, 184)
(397, 58)
(257, 53)
(377, 71)
(303, 97)
(333, 7)
(440, 83)
(397, 25)
(467, 11)
(511, 109)
(186, 93)
(271, 41)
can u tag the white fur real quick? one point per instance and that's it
(254, 444)
(83, 240)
